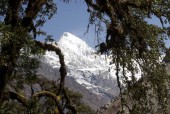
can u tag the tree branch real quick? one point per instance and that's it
(32, 10)
(63, 71)
(51, 95)
(57, 50)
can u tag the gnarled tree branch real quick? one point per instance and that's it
(63, 71)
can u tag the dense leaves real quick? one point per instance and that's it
(136, 45)
(39, 102)
(20, 51)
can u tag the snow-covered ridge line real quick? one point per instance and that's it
(91, 70)
(87, 68)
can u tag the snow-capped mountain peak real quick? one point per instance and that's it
(71, 43)
(90, 70)
(71, 39)
(84, 65)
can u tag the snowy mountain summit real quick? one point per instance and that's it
(87, 68)
(78, 55)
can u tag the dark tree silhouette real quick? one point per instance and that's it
(131, 39)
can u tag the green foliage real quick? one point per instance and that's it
(131, 39)
(11, 41)
(44, 104)
(28, 56)
(135, 43)
(20, 51)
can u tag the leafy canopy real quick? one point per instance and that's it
(131, 39)
(134, 42)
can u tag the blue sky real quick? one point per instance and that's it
(73, 18)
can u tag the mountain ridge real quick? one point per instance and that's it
(84, 66)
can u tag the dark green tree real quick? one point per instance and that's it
(18, 30)
(134, 42)
(20, 18)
